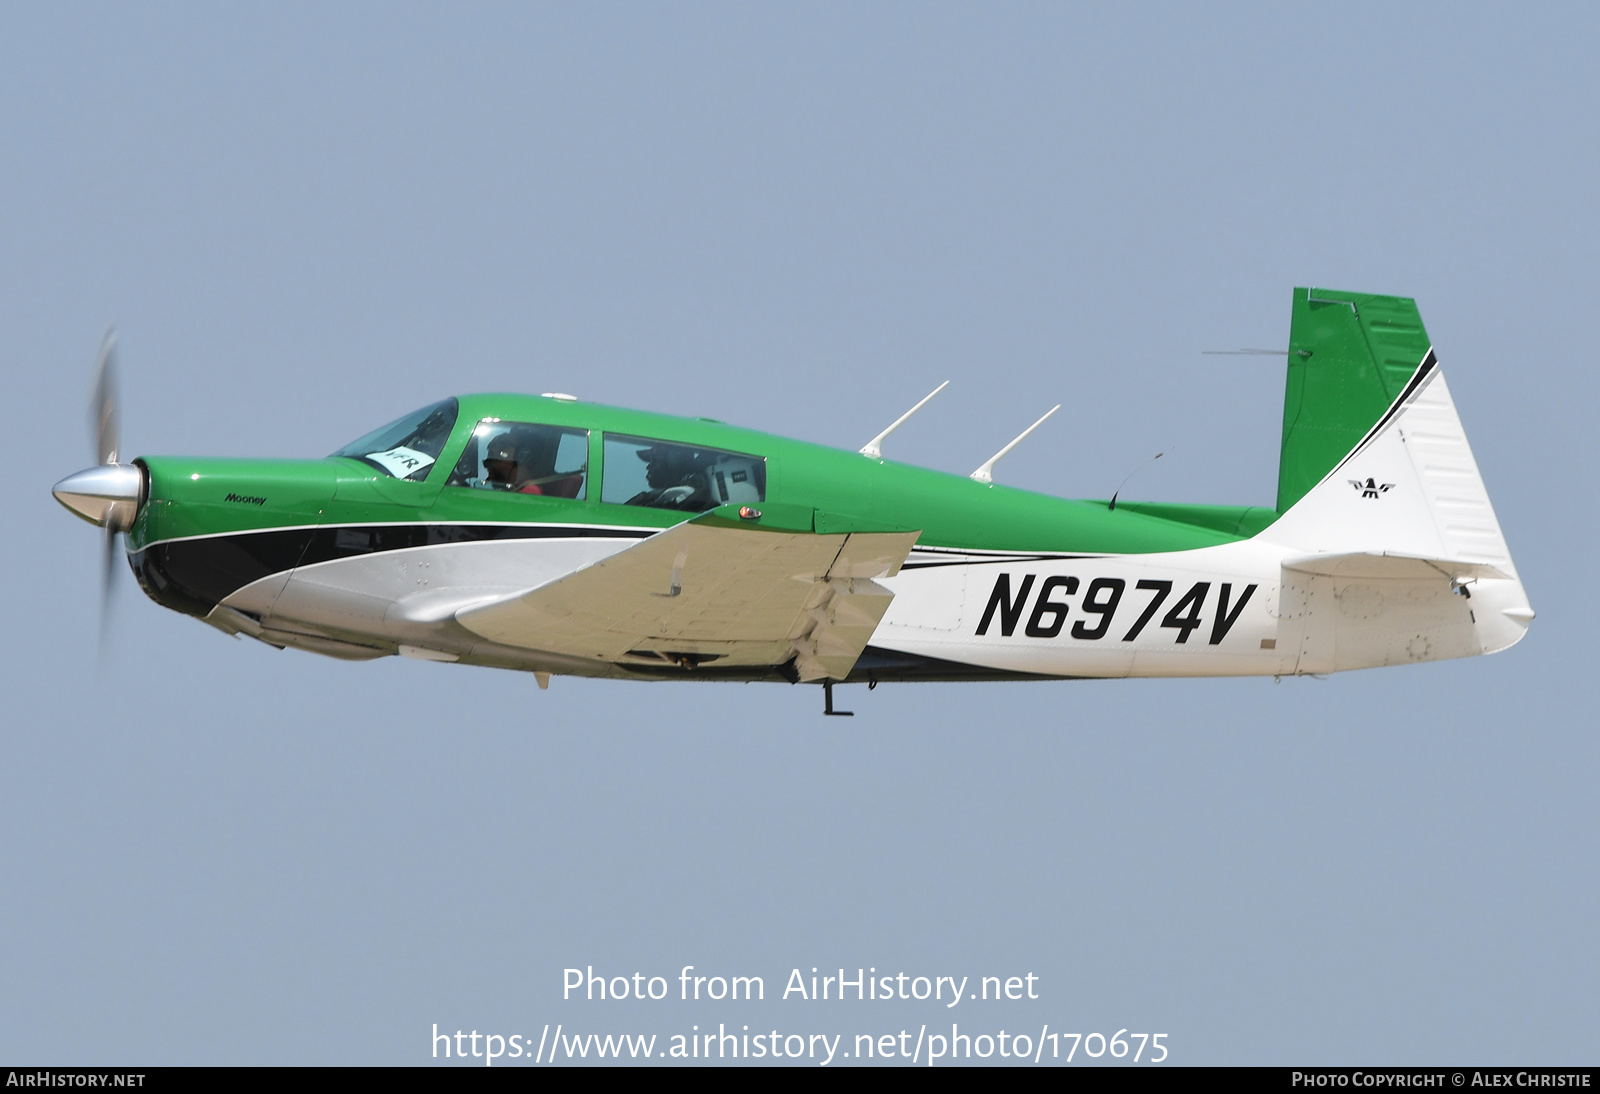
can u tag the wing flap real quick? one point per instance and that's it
(830, 635)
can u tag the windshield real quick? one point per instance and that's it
(408, 447)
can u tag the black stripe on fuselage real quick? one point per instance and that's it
(194, 575)
(349, 541)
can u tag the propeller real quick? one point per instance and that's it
(103, 412)
(104, 419)
(108, 494)
(108, 584)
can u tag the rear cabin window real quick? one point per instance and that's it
(525, 458)
(665, 475)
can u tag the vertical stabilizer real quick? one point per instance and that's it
(1350, 357)
(1396, 554)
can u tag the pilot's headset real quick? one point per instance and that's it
(500, 448)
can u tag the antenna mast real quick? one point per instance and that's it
(874, 447)
(985, 473)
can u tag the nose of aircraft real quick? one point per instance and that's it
(108, 495)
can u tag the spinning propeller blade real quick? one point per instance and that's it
(109, 493)
(104, 419)
(103, 411)
(108, 583)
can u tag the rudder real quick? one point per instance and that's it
(1350, 357)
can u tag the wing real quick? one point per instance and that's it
(717, 588)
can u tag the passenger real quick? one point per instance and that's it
(674, 480)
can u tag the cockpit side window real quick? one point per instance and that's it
(408, 447)
(665, 475)
(525, 458)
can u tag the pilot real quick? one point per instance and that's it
(500, 464)
(506, 467)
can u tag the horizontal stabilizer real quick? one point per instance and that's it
(1385, 564)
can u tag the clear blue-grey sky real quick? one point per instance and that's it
(309, 219)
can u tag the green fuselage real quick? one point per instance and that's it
(189, 497)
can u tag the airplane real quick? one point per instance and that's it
(554, 536)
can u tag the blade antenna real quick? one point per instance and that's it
(1112, 507)
(874, 447)
(985, 472)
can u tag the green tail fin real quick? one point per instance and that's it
(1350, 355)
